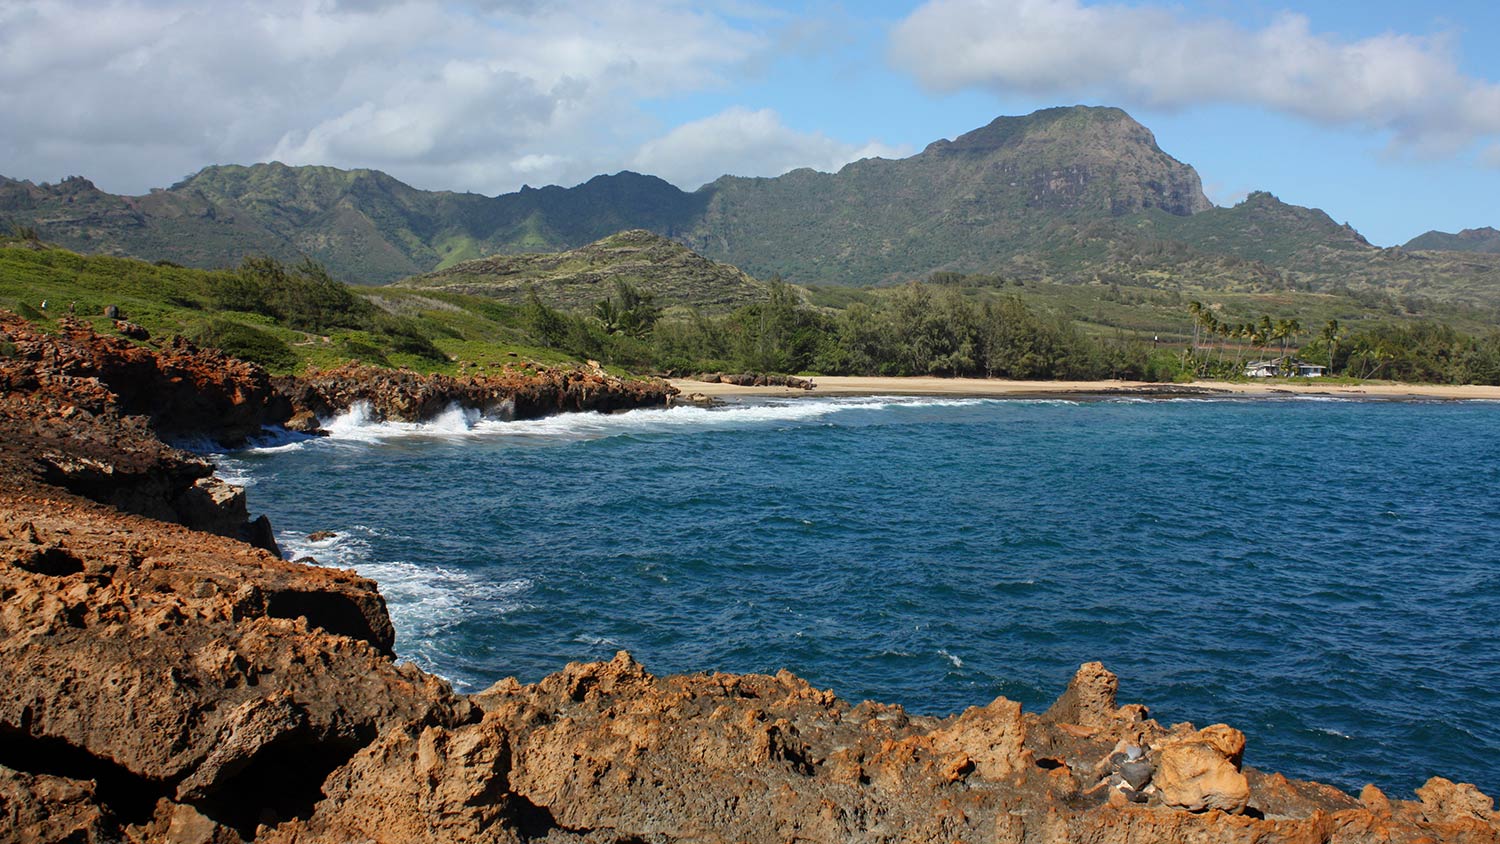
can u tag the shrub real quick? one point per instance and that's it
(244, 342)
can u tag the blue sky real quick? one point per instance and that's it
(1384, 114)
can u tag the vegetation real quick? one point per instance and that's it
(283, 317)
(648, 263)
(288, 317)
(915, 329)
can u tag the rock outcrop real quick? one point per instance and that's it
(183, 390)
(513, 393)
(166, 684)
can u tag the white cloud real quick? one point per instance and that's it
(742, 142)
(477, 95)
(1152, 56)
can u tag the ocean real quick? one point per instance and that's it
(1322, 574)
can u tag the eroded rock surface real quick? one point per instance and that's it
(511, 393)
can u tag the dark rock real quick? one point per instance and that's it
(131, 330)
(1136, 774)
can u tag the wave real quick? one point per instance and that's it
(423, 600)
(358, 424)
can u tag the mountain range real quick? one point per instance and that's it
(1076, 194)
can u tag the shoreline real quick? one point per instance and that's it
(169, 681)
(849, 385)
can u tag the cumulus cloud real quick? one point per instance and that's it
(742, 142)
(1153, 56)
(463, 94)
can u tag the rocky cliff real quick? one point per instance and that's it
(512, 393)
(166, 684)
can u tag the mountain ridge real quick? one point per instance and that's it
(1484, 239)
(1073, 194)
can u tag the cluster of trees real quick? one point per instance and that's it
(305, 298)
(1208, 330)
(1416, 351)
(916, 329)
(1410, 351)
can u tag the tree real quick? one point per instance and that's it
(1331, 337)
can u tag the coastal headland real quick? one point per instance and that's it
(934, 386)
(170, 678)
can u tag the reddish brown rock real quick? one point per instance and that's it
(1197, 775)
(514, 393)
(1089, 700)
(183, 390)
(1444, 801)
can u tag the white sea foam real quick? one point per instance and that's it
(233, 472)
(952, 660)
(358, 424)
(423, 600)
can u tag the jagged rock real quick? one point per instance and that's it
(993, 737)
(1197, 773)
(1089, 700)
(411, 397)
(183, 390)
(131, 330)
(753, 379)
(1444, 801)
(44, 809)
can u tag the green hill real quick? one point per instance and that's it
(1486, 239)
(575, 279)
(282, 317)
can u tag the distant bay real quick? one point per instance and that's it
(1323, 574)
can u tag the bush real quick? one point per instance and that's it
(245, 342)
(405, 335)
(304, 297)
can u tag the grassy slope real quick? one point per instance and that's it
(169, 300)
(576, 279)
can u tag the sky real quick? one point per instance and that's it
(1384, 114)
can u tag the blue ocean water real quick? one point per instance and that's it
(1324, 575)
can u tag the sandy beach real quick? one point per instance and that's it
(927, 386)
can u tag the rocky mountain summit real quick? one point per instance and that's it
(169, 684)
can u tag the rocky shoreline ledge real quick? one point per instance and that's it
(166, 680)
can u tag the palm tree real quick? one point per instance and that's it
(1196, 309)
(1331, 337)
(1243, 331)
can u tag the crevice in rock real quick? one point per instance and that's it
(130, 797)
(53, 561)
(535, 823)
(284, 781)
(338, 614)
